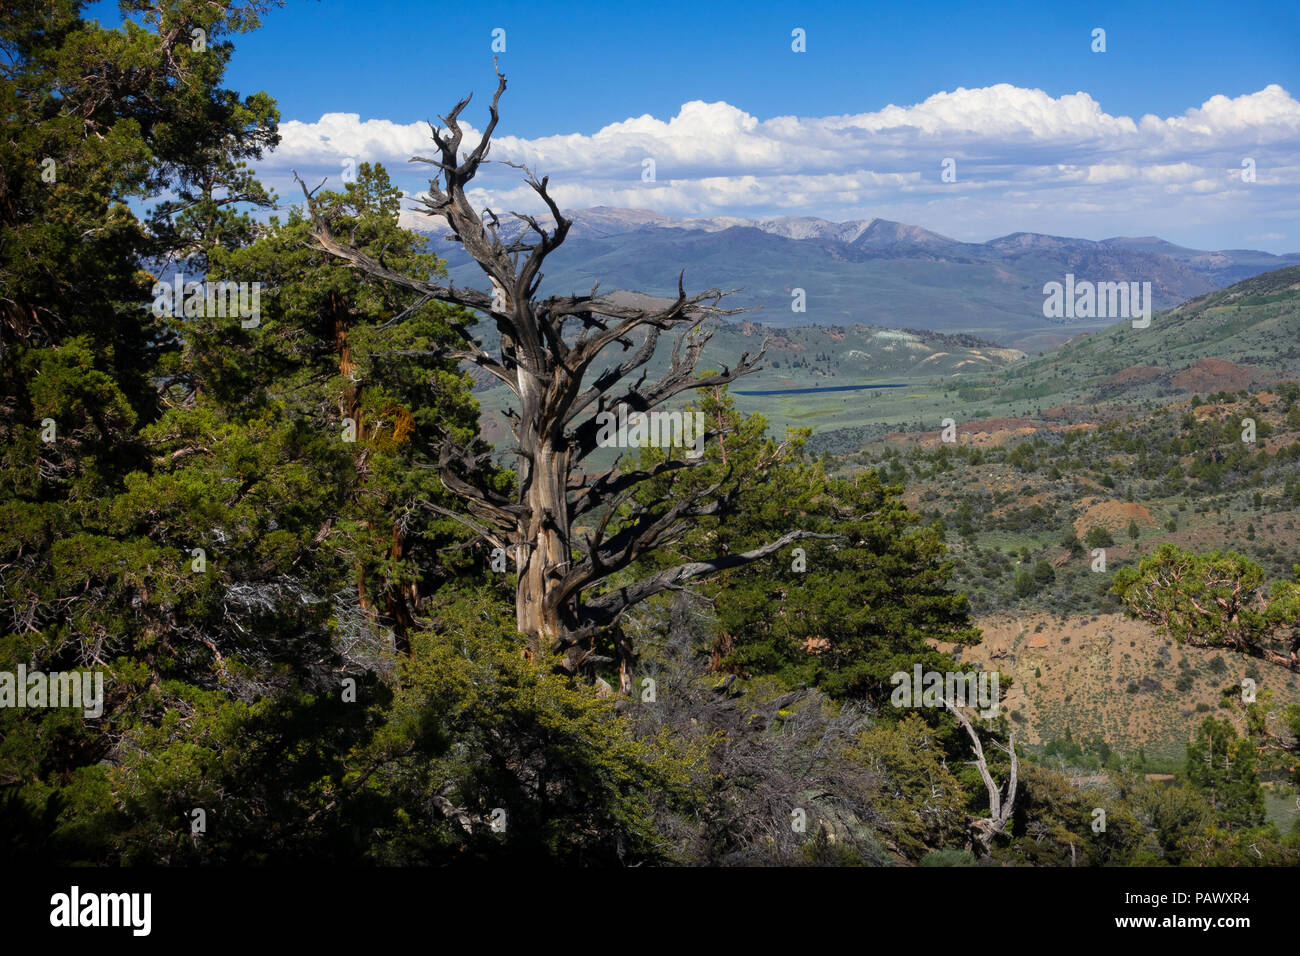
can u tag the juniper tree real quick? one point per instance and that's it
(1215, 600)
(1221, 766)
(843, 613)
(362, 363)
(94, 561)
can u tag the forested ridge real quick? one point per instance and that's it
(332, 626)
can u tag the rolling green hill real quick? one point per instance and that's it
(1254, 324)
(1245, 336)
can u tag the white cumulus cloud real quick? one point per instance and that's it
(1020, 156)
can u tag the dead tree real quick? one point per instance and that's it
(555, 356)
(983, 830)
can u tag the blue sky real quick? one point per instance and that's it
(575, 67)
(741, 125)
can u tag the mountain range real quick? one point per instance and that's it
(875, 272)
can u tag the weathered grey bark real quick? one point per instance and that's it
(985, 829)
(548, 350)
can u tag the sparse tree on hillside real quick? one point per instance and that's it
(1215, 600)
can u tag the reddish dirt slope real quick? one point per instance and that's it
(1134, 373)
(1214, 375)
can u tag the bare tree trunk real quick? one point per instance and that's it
(351, 400)
(723, 645)
(554, 357)
(984, 830)
(395, 601)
